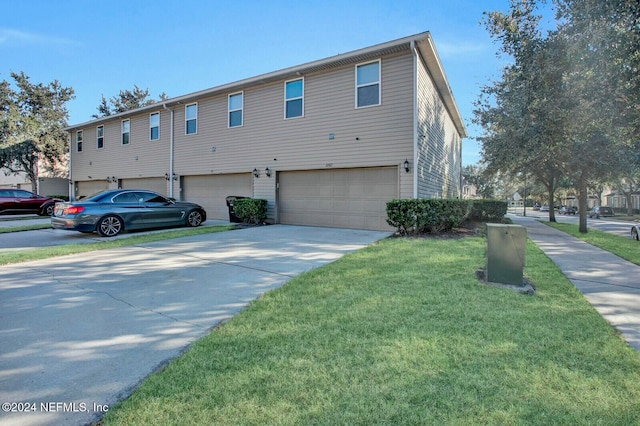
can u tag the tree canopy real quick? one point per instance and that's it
(567, 106)
(32, 119)
(125, 100)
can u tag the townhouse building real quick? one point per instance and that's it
(327, 143)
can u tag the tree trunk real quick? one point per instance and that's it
(552, 210)
(582, 203)
(627, 196)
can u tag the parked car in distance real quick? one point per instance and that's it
(567, 210)
(544, 208)
(635, 232)
(111, 212)
(599, 211)
(19, 201)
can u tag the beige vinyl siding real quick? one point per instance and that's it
(374, 136)
(265, 187)
(141, 158)
(439, 143)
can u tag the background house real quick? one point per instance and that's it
(327, 143)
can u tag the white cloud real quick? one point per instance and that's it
(10, 36)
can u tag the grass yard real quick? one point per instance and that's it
(402, 333)
(623, 247)
(9, 257)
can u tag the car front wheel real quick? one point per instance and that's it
(634, 234)
(110, 226)
(194, 218)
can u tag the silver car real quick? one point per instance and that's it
(111, 212)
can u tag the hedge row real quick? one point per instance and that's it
(435, 215)
(250, 210)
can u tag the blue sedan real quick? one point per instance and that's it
(111, 212)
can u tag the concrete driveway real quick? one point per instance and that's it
(79, 333)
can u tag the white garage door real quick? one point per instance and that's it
(211, 191)
(158, 185)
(90, 187)
(341, 198)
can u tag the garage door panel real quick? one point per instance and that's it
(88, 188)
(158, 185)
(344, 198)
(211, 191)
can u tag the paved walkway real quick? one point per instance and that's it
(609, 283)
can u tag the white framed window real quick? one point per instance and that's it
(191, 119)
(100, 137)
(236, 105)
(126, 132)
(368, 88)
(154, 126)
(79, 140)
(294, 98)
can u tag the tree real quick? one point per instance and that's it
(570, 102)
(603, 45)
(32, 119)
(475, 175)
(524, 114)
(125, 101)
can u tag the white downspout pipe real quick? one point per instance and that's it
(72, 186)
(171, 152)
(414, 55)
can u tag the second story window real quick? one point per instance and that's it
(154, 126)
(191, 117)
(79, 138)
(294, 99)
(100, 137)
(235, 109)
(368, 84)
(126, 132)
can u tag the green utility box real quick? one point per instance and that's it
(506, 249)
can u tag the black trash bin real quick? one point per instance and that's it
(232, 216)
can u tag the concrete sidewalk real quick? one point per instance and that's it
(609, 283)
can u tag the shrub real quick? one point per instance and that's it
(488, 210)
(250, 210)
(427, 215)
(401, 214)
(62, 197)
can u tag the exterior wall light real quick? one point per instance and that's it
(256, 173)
(267, 172)
(406, 166)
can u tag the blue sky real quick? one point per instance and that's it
(100, 48)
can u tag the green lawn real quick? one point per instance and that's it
(18, 256)
(402, 333)
(623, 247)
(25, 228)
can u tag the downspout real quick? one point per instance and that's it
(171, 149)
(72, 191)
(415, 119)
